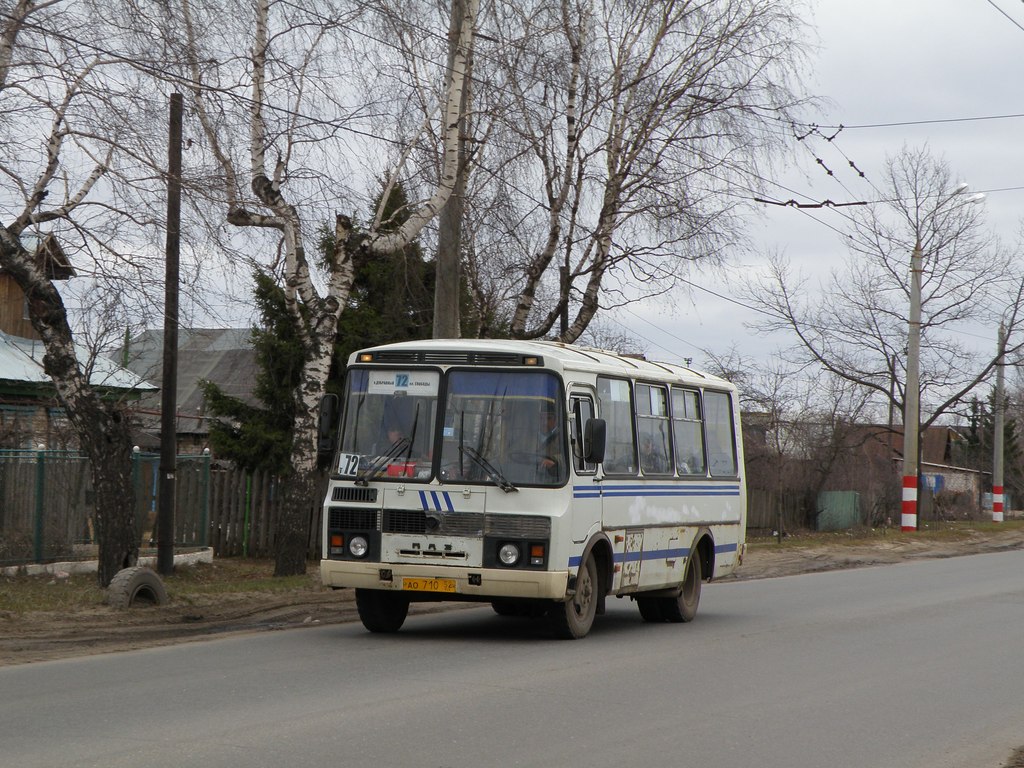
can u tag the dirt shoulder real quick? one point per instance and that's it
(82, 625)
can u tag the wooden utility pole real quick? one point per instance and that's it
(169, 383)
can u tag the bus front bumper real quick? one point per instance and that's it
(467, 582)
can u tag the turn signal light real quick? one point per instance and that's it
(336, 545)
(536, 554)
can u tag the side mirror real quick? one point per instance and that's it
(325, 428)
(594, 440)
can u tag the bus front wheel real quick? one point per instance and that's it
(381, 611)
(573, 618)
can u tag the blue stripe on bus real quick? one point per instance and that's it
(434, 503)
(656, 554)
(619, 491)
(632, 557)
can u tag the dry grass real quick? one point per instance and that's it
(21, 594)
(932, 531)
(239, 576)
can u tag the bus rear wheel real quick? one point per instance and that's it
(650, 609)
(684, 607)
(381, 611)
(573, 619)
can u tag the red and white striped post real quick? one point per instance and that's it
(912, 398)
(997, 433)
(997, 503)
(908, 519)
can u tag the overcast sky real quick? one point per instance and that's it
(897, 72)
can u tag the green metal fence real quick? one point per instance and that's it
(47, 505)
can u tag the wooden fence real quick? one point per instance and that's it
(769, 512)
(47, 507)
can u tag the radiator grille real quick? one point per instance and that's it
(353, 519)
(442, 523)
(352, 494)
(405, 521)
(466, 524)
(525, 526)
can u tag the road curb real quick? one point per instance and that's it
(69, 567)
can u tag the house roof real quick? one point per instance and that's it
(936, 441)
(49, 255)
(21, 363)
(222, 355)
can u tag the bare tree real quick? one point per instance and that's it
(802, 429)
(292, 51)
(64, 171)
(625, 130)
(856, 326)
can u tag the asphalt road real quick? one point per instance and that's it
(910, 665)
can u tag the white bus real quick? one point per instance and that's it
(539, 477)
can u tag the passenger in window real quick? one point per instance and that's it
(652, 456)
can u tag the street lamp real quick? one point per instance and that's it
(912, 399)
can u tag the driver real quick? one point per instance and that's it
(550, 446)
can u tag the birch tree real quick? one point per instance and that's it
(64, 172)
(627, 131)
(275, 178)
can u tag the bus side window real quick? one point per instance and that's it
(687, 433)
(582, 411)
(720, 431)
(615, 398)
(652, 429)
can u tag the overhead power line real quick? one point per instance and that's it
(1008, 16)
(903, 123)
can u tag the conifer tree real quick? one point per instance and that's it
(260, 437)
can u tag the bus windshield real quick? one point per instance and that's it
(500, 427)
(505, 427)
(388, 428)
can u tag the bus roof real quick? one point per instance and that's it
(568, 357)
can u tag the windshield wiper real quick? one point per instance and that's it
(496, 477)
(366, 475)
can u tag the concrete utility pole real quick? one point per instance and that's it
(997, 436)
(169, 384)
(447, 323)
(912, 398)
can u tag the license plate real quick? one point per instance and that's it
(428, 585)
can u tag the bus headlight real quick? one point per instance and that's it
(508, 554)
(358, 546)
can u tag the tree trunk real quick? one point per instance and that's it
(291, 532)
(102, 427)
(108, 445)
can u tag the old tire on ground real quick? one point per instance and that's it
(381, 611)
(132, 586)
(684, 607)
(573, 619)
